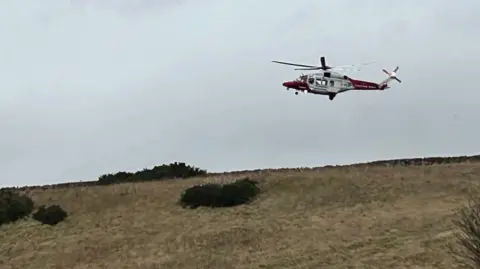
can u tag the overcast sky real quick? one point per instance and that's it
(90, 87)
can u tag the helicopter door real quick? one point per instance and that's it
(331, 86)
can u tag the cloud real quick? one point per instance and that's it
(90, 87)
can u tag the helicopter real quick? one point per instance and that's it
(331, 82)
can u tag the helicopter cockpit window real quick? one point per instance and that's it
(311, 80)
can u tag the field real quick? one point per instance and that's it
(368, 216)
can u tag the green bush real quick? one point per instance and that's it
(217, 195)
(164, 171)
(14, 206)
(51, 215)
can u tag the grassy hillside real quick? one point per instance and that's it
(364, 216)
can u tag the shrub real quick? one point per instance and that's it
(217, 195)
(51, 215)
(114, 178)
(164, 171)
(466, 247)
(14, 206)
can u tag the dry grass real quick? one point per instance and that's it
(347, 217)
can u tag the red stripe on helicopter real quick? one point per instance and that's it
(364, 85)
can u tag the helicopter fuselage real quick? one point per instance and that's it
(330, 83)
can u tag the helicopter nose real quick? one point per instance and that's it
(289, 84)
(295, 84)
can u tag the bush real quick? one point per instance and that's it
(164, 171)
(51, 215)
(217, 195)
(14, 206)
(466, 247)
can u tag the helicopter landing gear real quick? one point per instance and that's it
(331, 96)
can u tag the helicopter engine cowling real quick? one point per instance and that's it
(333, 75)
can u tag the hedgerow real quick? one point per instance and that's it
(164, 171)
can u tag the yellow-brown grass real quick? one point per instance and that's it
(341, 217)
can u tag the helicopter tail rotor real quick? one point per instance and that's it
(393, 74)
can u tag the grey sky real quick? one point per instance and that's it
(89, 87)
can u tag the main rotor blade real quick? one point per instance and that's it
(312, 68)
(367, 63)
(346, 68)
(302, 65)
(354, 65)
(322, 61)
(398, 79)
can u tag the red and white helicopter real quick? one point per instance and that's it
(330, 82)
